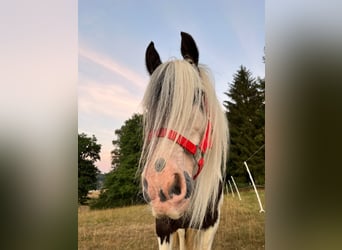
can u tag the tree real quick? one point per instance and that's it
(88, 154)
(122, 185)
(246, 115)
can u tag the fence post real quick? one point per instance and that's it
(256, 191)
(231, 188)
(237, 190)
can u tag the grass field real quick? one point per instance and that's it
(241, 226)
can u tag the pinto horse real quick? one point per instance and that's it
(185, 149)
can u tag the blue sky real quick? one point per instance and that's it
(113, 36)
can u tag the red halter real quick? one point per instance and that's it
(197, 151)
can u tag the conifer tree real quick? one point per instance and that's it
(245, 109)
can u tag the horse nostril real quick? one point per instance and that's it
(176, 187)
(188, 183)
(162, 196)
(145, 194)
(145, 183)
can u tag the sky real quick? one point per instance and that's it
(113, 37)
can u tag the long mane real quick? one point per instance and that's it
(175, 96)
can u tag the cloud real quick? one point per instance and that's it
(104, 105)
(114, 66)
(118, 97)
(111, 100)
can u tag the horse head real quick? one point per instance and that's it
(177, 130)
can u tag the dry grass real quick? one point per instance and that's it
(241, 226)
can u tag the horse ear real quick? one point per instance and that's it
(152, 58)
(188, 48)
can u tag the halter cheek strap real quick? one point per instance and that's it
(202, 149)
(197, 151)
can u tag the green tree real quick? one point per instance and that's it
(88, 154)
(122, 185)
(246, 115)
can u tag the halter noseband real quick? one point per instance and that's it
(197, 151)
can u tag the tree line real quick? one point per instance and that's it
(245, 111)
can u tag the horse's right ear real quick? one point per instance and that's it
(152, 58)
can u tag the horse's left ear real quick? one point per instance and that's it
(188, 48)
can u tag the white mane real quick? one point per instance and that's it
(176, 94)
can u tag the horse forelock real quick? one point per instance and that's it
(170, 100)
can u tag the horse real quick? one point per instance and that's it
(184, 149)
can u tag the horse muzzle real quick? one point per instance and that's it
(167, 190)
